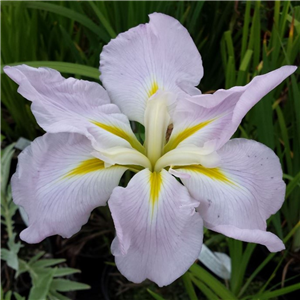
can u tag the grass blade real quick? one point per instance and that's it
(213, 283)
(68, 13)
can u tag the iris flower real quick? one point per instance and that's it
(188, 174)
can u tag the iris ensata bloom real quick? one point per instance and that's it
(149, 74)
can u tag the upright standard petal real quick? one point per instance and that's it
(239, 195)
(71, 105)
(217, 116)
(158, 55)
(58, 183)
(159, 235)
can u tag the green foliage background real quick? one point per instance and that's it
(237, 40)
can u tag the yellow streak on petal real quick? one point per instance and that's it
(131, 139)
(87, 166)
(114, 130)
(213, 173)
(176, 140)
(155, 187)
(153, 89)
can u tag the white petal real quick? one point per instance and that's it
(71, 105)
(123, 156)
(245, 190)
(58, 183)
(159, 235)
(152, 56)
(188, 155)
(215, 117)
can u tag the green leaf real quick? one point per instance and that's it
(154, 295)
(285, 137)
(279, 292)
(47, 263)
(10, 255)
(189, 286)
(68, 13)
(244, 67)
(103, 20)
(214, 284)
(41, 285)
(19, 297)
(23, 267)
(36, 257)
(7, 296)
(65, 285)
(65, 271)
(196, 13)
(204, 289)
(292, 184)
(245, 34)
(6, 157)
(267, 260)
(57, 296)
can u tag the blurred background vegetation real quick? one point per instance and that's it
(237, 40)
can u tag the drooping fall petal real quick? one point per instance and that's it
(159, 235)
(216, 116)
(58, 183)
(158, 55)
(238, 196)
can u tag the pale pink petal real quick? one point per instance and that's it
(158, 55)
(58, 183)
(270, 240)
(242, 193)
(217, 116)
(185, 156)
(72, 105)
(157, 238)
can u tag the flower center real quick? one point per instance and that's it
(155, 155)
